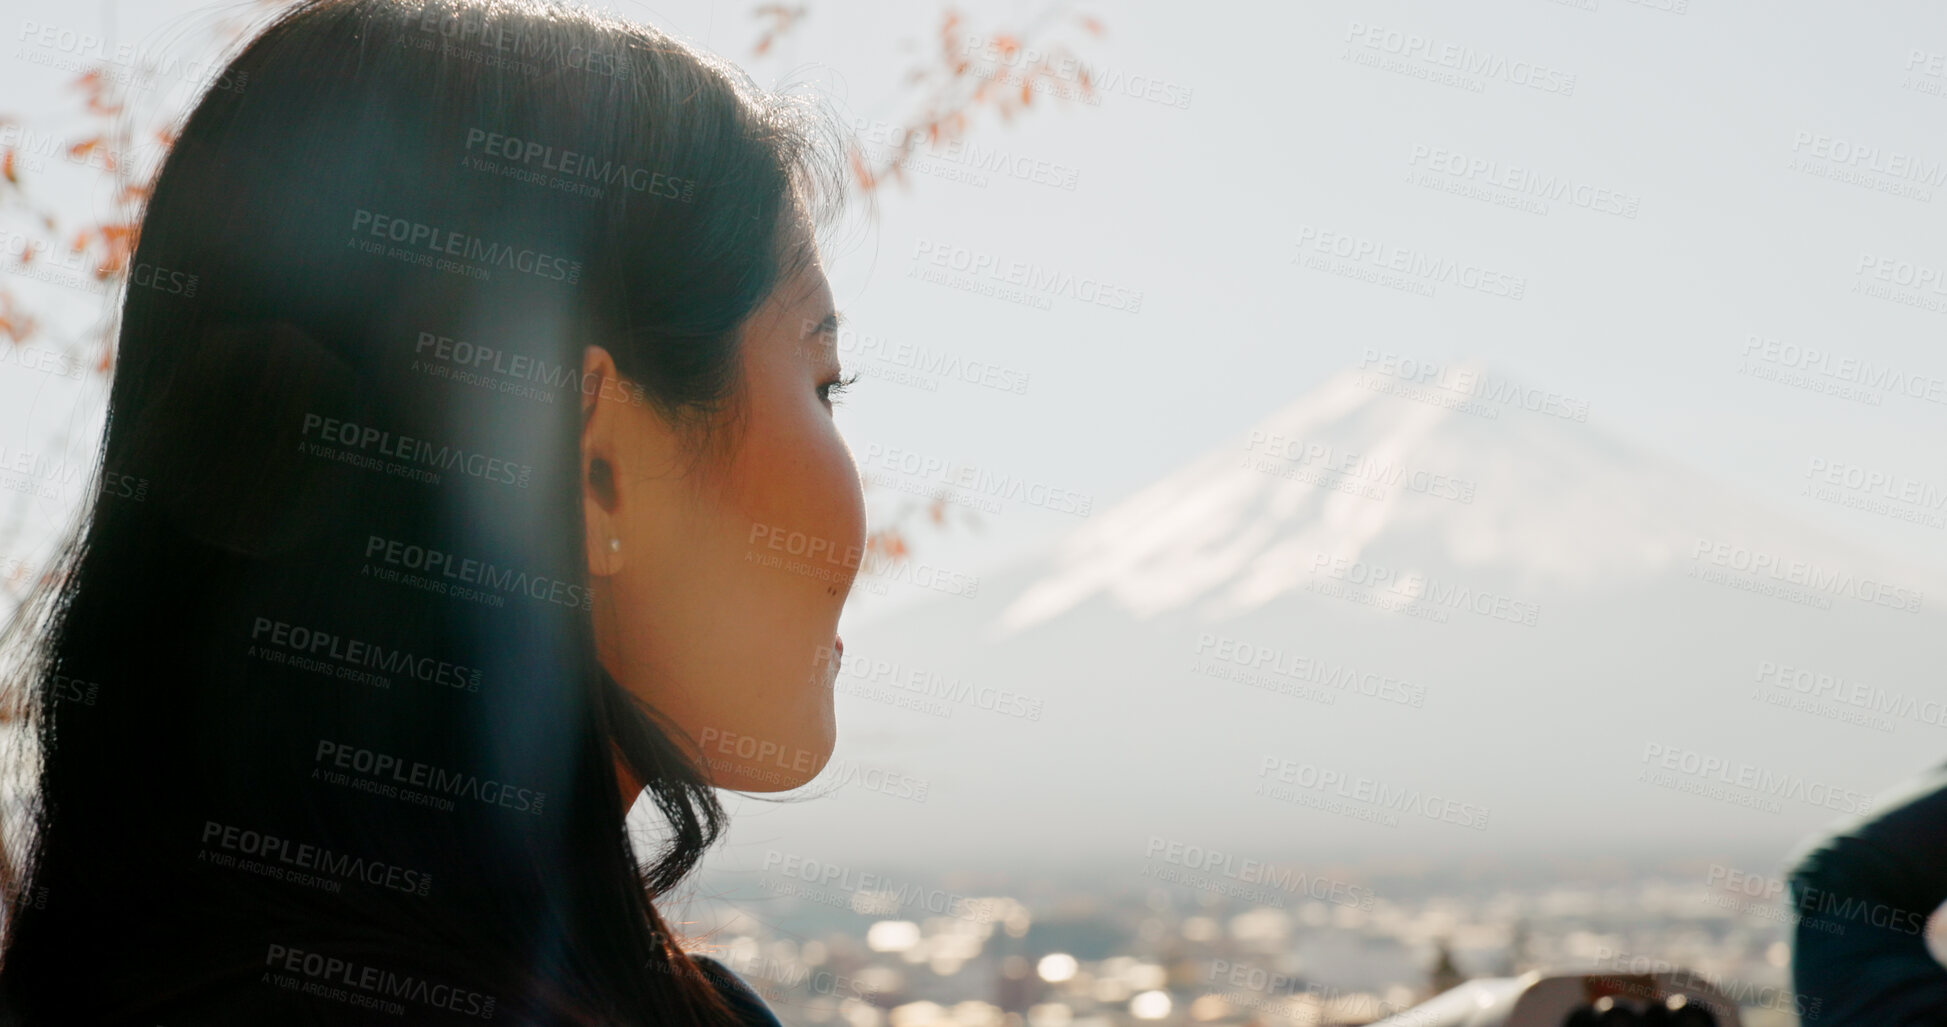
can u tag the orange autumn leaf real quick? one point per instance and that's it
(96, 85)
(118, 242)
(16, 325)
(962, 82)
(861, 171)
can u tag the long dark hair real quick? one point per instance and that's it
(321, 730)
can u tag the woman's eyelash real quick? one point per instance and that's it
(827, 390)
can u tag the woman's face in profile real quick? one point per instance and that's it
(718, 581)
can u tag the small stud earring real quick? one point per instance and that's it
(614, 545)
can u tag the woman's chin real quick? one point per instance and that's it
(793, 768)
(773, 761)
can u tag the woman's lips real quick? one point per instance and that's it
(838, 645)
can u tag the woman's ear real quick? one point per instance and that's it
(633, 472)
(601, 499)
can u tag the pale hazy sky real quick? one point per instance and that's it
(1694, 117)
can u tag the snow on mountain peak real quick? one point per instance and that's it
(1469, 471)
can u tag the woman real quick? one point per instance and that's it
(476, 368)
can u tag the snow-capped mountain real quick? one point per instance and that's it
(1354, 470)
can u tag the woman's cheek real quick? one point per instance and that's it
(845, 482)
(824, 494)
(846, 519)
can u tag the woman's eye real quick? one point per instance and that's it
(826, 390)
